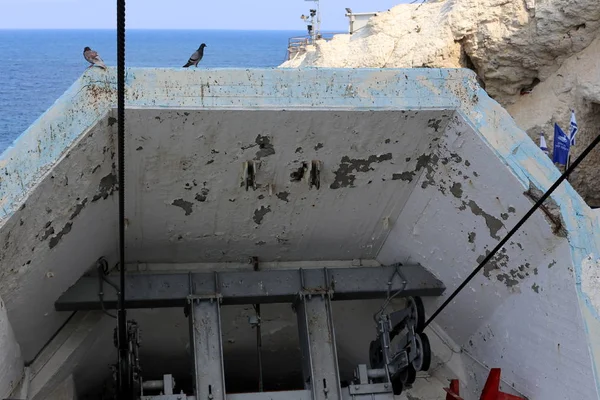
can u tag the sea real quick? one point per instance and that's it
(38, 66)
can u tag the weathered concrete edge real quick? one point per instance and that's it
(90, 98)
(530, 165)
(35, 151)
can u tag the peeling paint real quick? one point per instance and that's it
(405, 176)
(65, 230)
(318, 146)
(535, 287)
(493, 223)
(344, 175)
(112, 121)
(185, 205)
(78, 208)
(260, 213)
(107, 186)
(471, 237)
(283, 196)
(298, 174)
(456, 190)
(265, 146)
(499, 261)
(434, 123)
(201, 197)
(507, 280)
(49, 232)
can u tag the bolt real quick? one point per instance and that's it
(356, 387)
(385, 385)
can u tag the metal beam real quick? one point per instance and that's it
(317, 343)
(207, 346)
(255, 287)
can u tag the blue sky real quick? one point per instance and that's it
(180, 14)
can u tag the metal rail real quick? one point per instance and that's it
(298, 44)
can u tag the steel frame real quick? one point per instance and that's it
(255, 287)
(309, 290)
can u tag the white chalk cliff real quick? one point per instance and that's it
(551, 48)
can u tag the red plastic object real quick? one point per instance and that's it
(491, 390)
(453, 391)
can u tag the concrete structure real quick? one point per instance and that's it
(357, 21)
(417, 166)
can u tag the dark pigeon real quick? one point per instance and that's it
(93, 58)
(196, 57)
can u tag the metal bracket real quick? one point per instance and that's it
(249, 170)
(314, 176)
(324, 288)
(370, 388)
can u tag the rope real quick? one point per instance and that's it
(125, 389)
(529, 213)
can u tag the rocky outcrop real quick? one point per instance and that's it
(538, 59)
(575, 85)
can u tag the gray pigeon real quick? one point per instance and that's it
(196, 57)
(93, 58)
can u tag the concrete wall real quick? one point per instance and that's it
(66, 223)
(186, 203)
(190, 131)
(11, 367)
(24, 164)
(523, 312)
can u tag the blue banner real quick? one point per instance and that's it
(562, 145)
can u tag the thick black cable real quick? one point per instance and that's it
(125, 389)
(529, 213)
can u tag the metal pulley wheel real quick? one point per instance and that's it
(417, 310)
(423, 359)
(375, 354)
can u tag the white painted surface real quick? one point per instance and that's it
(38, 263)
(523, 316)
(186, 204)
(345, 223)
(11, 363)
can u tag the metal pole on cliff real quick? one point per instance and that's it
(573, 129)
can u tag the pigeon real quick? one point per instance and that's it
(93, 58)
(196, 57)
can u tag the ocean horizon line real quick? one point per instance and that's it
(159, 29)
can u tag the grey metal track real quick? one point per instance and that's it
(254, 287)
